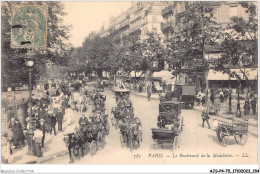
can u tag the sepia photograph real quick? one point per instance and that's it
(129, 82)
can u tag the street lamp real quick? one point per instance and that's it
(30, 133)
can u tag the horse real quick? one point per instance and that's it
(75, 144)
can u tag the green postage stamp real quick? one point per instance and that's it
(29, 26)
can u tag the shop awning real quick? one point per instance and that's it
(164, 74)
(251, 74)
(138, 74)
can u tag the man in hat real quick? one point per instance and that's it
(168, 95)
(59, 116)
(169, 115)
(83, 121)
(205, 117)
(53, 123)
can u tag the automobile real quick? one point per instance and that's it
(169, 125)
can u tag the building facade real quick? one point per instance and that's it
(143, 17)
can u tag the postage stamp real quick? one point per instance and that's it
(29, 26)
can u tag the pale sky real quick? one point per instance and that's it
(89, 16)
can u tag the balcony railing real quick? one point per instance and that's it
(168, 24)
(168, 9)
(124, 23)
(134, 28)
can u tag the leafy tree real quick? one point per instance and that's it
(97, 49)
(195, 30)
(239, 46)
(13, 60)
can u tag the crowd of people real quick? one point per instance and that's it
(46, 114)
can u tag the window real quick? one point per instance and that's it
(233, 11)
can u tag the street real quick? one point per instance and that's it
(194, 141)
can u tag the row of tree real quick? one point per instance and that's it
(199, 33)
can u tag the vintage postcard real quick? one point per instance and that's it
(129, 82)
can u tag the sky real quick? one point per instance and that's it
(90, 16)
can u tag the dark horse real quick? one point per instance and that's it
(75, 144)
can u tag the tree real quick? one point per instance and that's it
(96, 50)
(239, 47)
(195, 30)
(13, 65)
(152, 51)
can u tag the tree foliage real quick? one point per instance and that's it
(239, 46)
(195, 31)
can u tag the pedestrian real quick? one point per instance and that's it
(212, 97)
(69, 114)
(42, 128)
(205, 117)
(47, 123)
(18, 138)
(148, 92)
(246, 107)
(53, 123)
(59, 117)
(221, 96)
(5, 149)
(37, 137)
(253, 105)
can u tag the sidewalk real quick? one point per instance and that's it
(50, 149)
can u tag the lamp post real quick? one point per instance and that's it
(30, 133)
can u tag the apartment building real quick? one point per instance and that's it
(139, 19)
(143, 17)
(171, 27)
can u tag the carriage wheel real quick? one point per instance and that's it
(223, 135)
(93, 147)
(241, 139)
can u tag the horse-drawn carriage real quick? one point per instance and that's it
(123, 104)
(89, 138)
(170, 123)
(121, 92)
(130, 132)
(226, 128)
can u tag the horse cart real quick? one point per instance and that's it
(121, 92)
(226, 128)
(88, 139)
(130, 132)
(170, 125)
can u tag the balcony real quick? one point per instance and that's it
(134, 28)
(124, 23)
(167, 25)
(168, 10)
